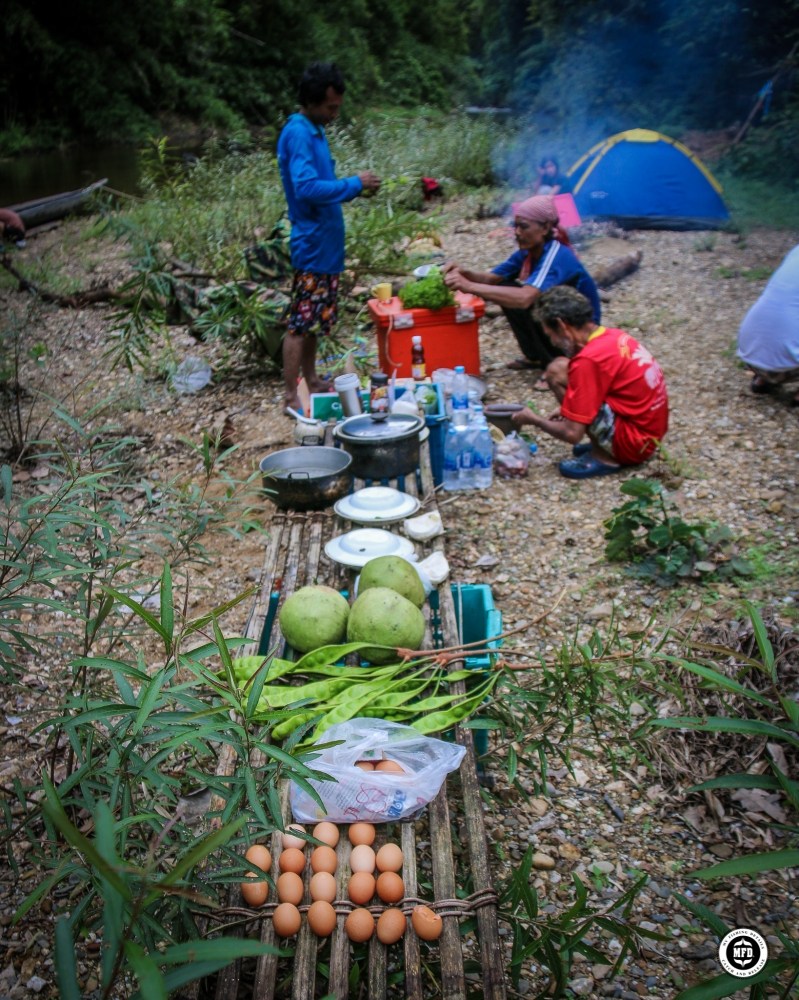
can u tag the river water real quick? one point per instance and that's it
(38, 175)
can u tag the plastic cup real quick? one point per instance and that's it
(382, 292)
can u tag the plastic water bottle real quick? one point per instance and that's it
(452, 459)
(460, 397)
(483, 450)
(468, 470)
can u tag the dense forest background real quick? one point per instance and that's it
(111, 70)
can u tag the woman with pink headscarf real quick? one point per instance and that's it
(541, 262)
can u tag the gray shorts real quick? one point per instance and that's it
(603, 427)
(777, 378)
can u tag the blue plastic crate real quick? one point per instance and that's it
(482, 622)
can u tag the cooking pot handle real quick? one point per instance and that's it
(299, 472)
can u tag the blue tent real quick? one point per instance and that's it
(644, 180)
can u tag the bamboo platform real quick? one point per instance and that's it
(445, 851)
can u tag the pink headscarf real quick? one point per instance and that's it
(539, 208)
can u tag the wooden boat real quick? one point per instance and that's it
(56, 206)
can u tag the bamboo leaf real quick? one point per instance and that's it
(751, 863)
(151, 693)
(708, 916)
(138, 610)
(151, 982)
(167, 608)
(725, 985)
(762, 639)
(718, 724)
(201, 849)
(738, 781)
(66, 969)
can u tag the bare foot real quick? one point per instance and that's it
(293, 403)
(319, 385)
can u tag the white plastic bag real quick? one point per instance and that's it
(375, 796)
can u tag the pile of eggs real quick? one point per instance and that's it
(374, 873)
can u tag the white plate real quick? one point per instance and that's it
(376, 504)
(356, 548)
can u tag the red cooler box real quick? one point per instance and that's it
(449, 335)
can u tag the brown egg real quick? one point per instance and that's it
(292, 860)
(361, 833)
(259, 855)
(323, 886)
(427, 924)
(327, 833)
(359, 925)
(390, 887)
(389, 858)
(391, 766)
(286, 920)
(321, 918)
(362, 859)
(361, 888)
(323, 859)
(289, 888)
(391, 925)
(290, 839)
(254, 893)
(365, 765)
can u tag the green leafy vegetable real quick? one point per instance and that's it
(429, 292)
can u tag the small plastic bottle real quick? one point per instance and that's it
(460, 397)
(418, 367)
(452, 456)
(378, 397)
(483, 450)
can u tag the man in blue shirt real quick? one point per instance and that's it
(541, 262)
(314, 195)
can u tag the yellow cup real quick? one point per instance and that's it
(382, 292)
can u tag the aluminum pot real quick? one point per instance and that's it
(308, 478)
(499, 414)
(381, 449)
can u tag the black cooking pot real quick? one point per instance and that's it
(381, 449)
(499, 415)
(308, 478)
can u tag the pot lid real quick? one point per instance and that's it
(356, 548)
(376, 503)
(364, 428)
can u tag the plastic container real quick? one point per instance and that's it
(418, 367)
(450, 335)
(452, 459)
(460, 397)
(482, 450)
(378, 397)
(482, 622)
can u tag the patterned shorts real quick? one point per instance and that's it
(314, 304)
(602, 428)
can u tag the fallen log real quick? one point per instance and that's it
(76, 300)
(608, 274)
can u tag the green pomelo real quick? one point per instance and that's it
(314, 617)
(396, 574)
(383, 616)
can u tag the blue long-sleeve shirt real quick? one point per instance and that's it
(314, 196)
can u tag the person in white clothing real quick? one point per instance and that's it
(768, 340)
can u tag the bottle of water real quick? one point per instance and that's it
(482, 449)
(452, 459)
(460, 397)
(468, 470)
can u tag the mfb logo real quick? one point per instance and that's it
(743, 953)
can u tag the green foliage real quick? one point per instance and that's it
(648, 530)
(539, 713)
(770, 723)
(553, 940)
(429, 292)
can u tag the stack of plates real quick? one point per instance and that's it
(356, 548)
(376, 505)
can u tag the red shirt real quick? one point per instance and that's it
(614, 368)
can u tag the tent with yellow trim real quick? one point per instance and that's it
(644, 180)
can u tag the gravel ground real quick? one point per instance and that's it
(731, 458)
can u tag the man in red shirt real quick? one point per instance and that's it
(608, 386)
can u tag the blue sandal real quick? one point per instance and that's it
(586, 467)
